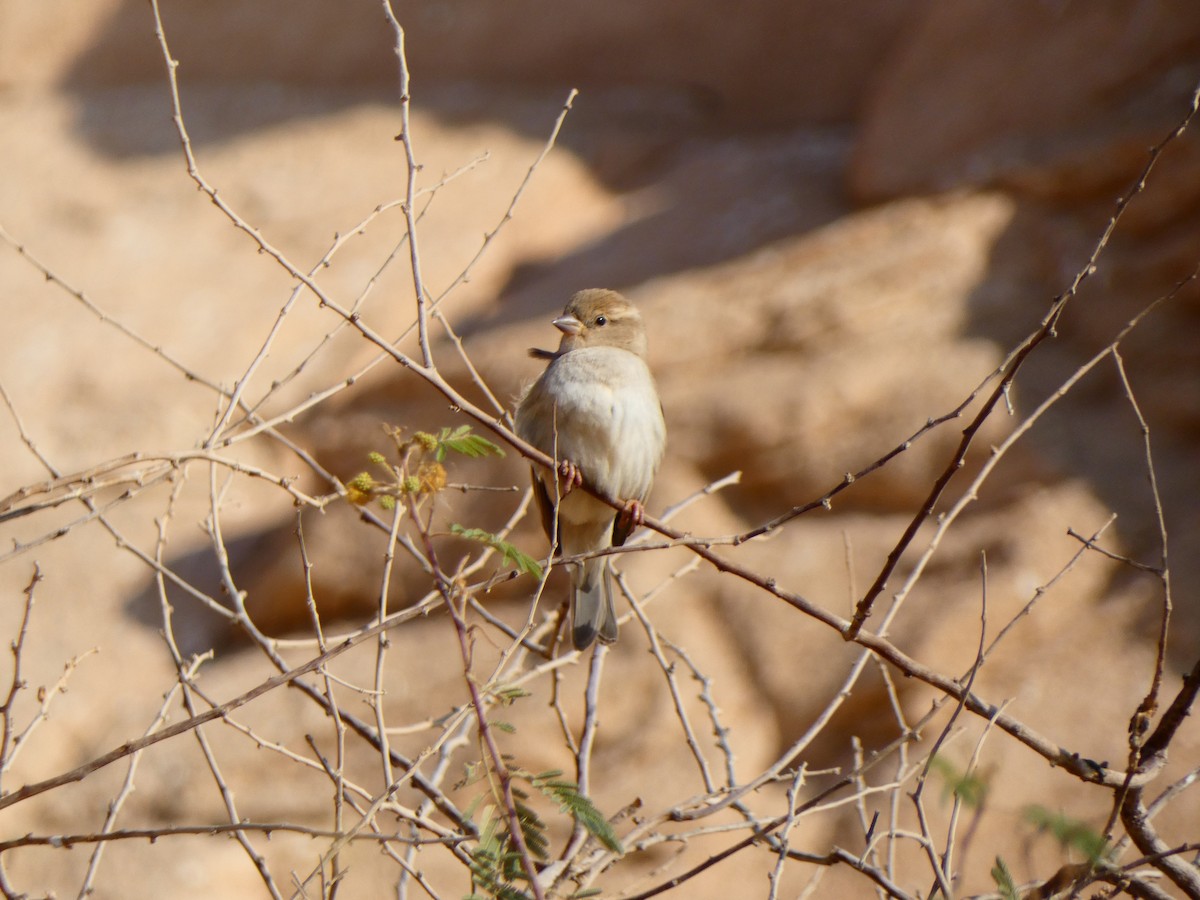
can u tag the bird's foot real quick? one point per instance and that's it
(569, 476)
(631, 516)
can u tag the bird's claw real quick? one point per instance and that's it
(632, 516)
(570, 476)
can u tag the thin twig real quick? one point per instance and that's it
(153, 834)
(191, 723)
(1008, 372)
(668, 671)
(10, 741)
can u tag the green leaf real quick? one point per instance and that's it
(1004, 880)
(494, 865)
(506, 727)
(570, 800)
(461, 440)
(472, 772)
(522, 562)
(507, 696)
(497, 871)
(1070, 833)
(968, 787)
(533, 830)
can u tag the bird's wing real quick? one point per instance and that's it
(546, 507)
(622, 528)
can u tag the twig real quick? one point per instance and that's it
(54, 278)
(668, 671)
(153, 834)
(497, 762)
(191, 723)
(583, 754)
(720, 731)
(123, 471)
(114, 807)
(775, 876)
(410, 190)
(1009, 372)
(336, 772)
(1140, 722)
(1155, 746)
(381, 647)
(942, 868)
(860, 795)
(9, 741)
(1133, 816)
(465, 275)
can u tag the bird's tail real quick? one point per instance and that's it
(592, 611)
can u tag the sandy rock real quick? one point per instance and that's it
(811, 311)
(1037, 670)
(1058, 100)
(792, 339)
(758, 67)
(40, 42)
(794, 323)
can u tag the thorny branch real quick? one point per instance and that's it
(454, 591)
(1007, 373)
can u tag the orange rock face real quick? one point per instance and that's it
(839, 222)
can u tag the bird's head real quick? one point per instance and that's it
(601, 318)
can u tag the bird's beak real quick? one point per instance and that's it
(568, 325)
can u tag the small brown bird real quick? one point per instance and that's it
(595, 409)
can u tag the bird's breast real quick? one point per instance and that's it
(598, 408)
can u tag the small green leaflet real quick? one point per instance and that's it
(970, 788)
(460, 440)
(566, 794)
(1070, 833)
(1004, 880)
(496, 867)
(522, 562)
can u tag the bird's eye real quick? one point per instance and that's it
(601, 320)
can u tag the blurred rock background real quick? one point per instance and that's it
(837, 218)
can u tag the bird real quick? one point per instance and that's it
(595, 410)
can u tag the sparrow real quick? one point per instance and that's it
(595, 410)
